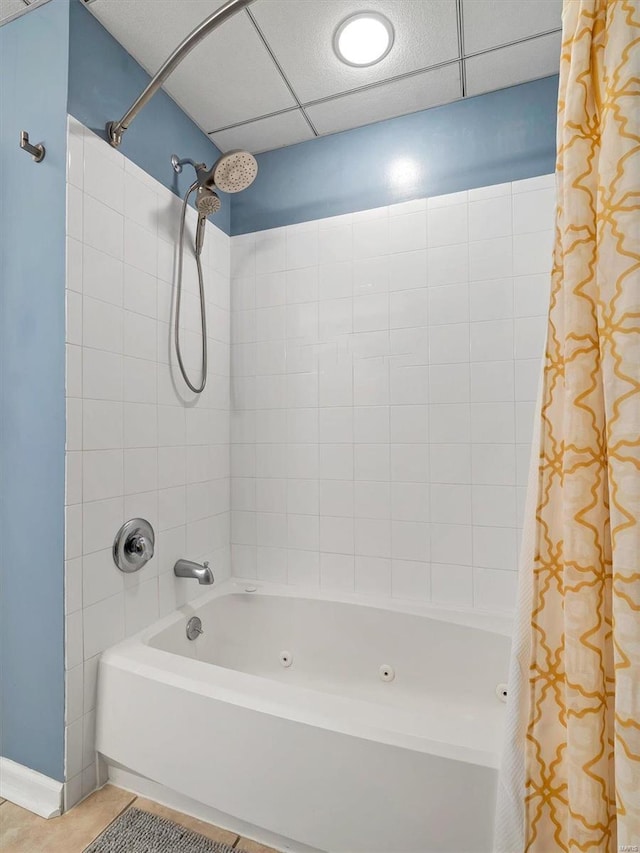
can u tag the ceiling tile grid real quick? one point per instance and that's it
(270, 77)
(10, 8)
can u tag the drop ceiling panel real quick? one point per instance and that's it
(228, 78)
(251, 83)
(266, 133)
(11, 7)
(300, 33)
(490, 23)
(515, 64)
(387, 100)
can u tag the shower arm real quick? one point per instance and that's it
(115, 129)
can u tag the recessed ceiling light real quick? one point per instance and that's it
(363, 39)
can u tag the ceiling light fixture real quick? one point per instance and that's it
(363, 39)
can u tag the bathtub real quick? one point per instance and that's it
(320, 723)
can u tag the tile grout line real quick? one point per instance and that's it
(459, 60)
(281, 71)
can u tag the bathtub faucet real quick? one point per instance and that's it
(188, 569)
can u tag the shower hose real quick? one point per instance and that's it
(199, 242)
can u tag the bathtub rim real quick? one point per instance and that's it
(493, 622)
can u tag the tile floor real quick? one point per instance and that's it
(23, 832)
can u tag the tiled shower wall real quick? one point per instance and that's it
(385, 368)
(138, 443)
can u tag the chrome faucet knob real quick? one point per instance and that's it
(134, 545)
(140, 546)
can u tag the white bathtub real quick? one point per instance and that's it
(322, 754)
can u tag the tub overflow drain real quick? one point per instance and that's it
(501, 691)
(387, 673)
(286, 658)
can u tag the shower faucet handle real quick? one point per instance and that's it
(140, 546)
(134, 544)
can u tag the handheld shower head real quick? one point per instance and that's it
(207, 202)
(234, 171)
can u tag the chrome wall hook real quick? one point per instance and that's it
(36, 151)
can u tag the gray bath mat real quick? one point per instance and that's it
(136, 831)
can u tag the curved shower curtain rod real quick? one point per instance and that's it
(115, 129)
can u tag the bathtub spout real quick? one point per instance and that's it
(188, 569)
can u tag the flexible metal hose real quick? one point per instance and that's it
(203, 314)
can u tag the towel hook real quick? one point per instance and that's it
(36, 151)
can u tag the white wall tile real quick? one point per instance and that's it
(534, 211)
(452, 585)
(447, 225)
(494, 590)
(104, 625)
(337, 571)
(449, 383)
(100, 522)
(371, 424)
(406, 270)
(372, 499)
(491, 258)
(490, 218)
(140, 247)
(451, 544)
(531, 295)
(102, 375)
(448, 304)
(492, 340)
(101, 578)
(104, 177)
(450, 422)
(408, 308)
(447, 265)
(495, 548)
(126, 426)
(449, 344)
(373, 576)
(74, 694)
(450, 463)
(530, 337)
(74, 265)
(371, 237)
(73, 585)
(303, 568)
(532, 252)
(408, 232)
(410, 580)
(410, 502)
(336, 534)
(101, 325)
(491, 300)
(102, 275)
(102, 474)
(103, 228)
(492, 382)
(396, 360)
(336, 498)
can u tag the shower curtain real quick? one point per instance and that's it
(571, 771)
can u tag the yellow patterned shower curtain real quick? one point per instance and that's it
(582, 758)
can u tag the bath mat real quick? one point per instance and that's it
(136, 831)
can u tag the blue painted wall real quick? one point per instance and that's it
(502, 136)
(103, 82)
(33, 94)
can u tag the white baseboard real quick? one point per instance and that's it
(31, 790)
